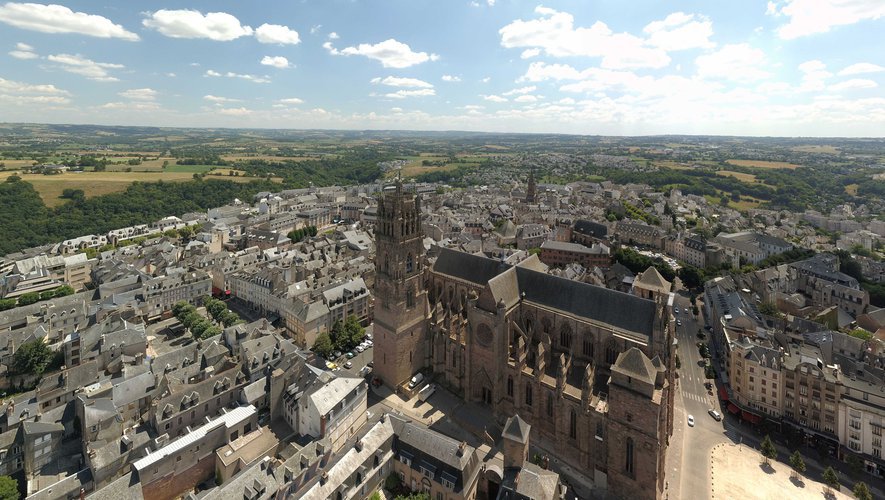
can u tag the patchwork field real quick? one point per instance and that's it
(817, 149)
(763, 164)
(737, 175)
(51, 187)
(16, 164)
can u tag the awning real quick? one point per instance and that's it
(723, 394)
(749, 417)
(734, 409)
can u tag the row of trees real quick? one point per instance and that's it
(200, 326)
(342, 337)
(300, 234)
(33, 358)
(29, 298)
(831, 478)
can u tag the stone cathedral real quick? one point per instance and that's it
(591, 369)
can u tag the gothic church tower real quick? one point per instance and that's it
(400, 297)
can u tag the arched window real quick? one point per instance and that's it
(510, 386)
(628, 454)
(565, 337)
(410, 264)
(550, 405)
(375, 461)
(386, 263)
(454, 358)
(410, 297)
(611, 353)
(528, 394)
(359, 478)
(573, 425)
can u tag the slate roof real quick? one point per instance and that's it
(590, 228)
(516, 429)
(634, 363)
(467, 267)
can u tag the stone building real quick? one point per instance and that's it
(591, 369)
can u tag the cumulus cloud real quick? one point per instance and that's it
(680, 31)
(333, 36)
(291, 101)
(391, 53)
(235, 111)
(145, 94)
(279, 62)
(275, 33)
(242, 76)
(12, 90)
(451, 78)
(23, 51)
(60, 19)
(555, 34)
(809, 17)
(402, 94)
(394, 81)
(82, 66)
(738, 62)
(131, 106)
(530, 53)
(186, 23)
(526, 98)
(861, 68)
(218, 99)
(521, 90)
(494, 98)
(853, 84)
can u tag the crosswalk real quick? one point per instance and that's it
(694, 397)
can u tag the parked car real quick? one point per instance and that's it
(350, 355)
(336, 354)
(348, 365)
(416, 380)
(360, 348)
(691, 421)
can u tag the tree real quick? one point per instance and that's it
(199, 327)
(29, 298)
(797, 463)
(830, 478)
(862, 491)
(8, 488)
(210, 332)
(354, 331)
(31, 358)
(323, 344)
(7, 304)
(230, 318)
(768, 450)
(215, 308)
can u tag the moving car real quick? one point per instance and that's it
(715, 414)
(691, 421)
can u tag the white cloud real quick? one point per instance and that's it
(10, 87)
(521, 90)
(131, 106)
(530, 53)
(771, 9)
(486, 79)
(275, 33)
(526, 98)
(555, 33)
(333, 36)
(231, 74)
(391, 53)
(680, 31)
(451, 78)
(235, 111)
(814, 73)
(474, 107)
(809, 17)
(738, 62)
(82, 66)
(541, 71)
(394, 81)
(402, 94)
(218, 99)
(185, 23)
(279, 62)
(291, 100)
(861, 68)
(853, 84)
(60, 19)
(491, 3)
(315, 29)
(23, 51)
(145, 94)
(494, 98)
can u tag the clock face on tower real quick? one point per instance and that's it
(484, 335)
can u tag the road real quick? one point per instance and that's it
(693, 471)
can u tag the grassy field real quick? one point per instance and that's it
(746, 202)
(763, 164)
(268, 158)
(50, 187)
(737, 175)
(190, 169)
(16, 164)
(817, 149)
(851, 189)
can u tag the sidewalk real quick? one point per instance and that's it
(673, 461)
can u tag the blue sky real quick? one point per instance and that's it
(784, 67)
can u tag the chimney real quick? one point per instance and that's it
(10, 409)
(461, 448)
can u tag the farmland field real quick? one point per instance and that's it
(737, 175)
(16, 164)
(817, 149)
(763, 164)
(50, 187)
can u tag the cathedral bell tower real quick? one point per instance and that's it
(400, 297)
(530, 193)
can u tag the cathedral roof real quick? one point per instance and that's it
(652, 279)
(636, 364)
(620, 310)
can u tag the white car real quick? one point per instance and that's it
(715, 414)
(360, 348)
(690, 421)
